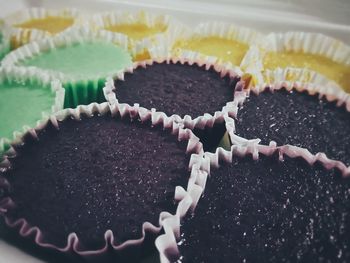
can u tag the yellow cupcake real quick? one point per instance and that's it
(300, 57)
(227, 42)
(142, 29)
(36, 23)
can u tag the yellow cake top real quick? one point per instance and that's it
(226, 50)
(51, 24)
(338, 72)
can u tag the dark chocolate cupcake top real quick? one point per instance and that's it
(176, 88)
(96, 174)
(270, 211)
(299, 119)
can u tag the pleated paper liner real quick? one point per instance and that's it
(73, 245)
(84, 76)
(299, 56)
(168, 243)
(27, 79)
(4, 40)
(33, 24)
(142, 29)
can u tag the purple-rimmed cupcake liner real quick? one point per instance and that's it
(338, 96)
(167, 244)
(73, 244)
(190, 58)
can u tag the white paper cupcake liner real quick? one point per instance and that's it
(308, 43)
(167, 244)
(4, 40)
(21, 75)
(194, 147)
(102, 21)
(227, 31)
(206, 120)
(25, 35)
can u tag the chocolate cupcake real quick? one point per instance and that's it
(68, 58)
(306, 118)
(278, 206)
(196, 93)
(92, 181)
(27, 99)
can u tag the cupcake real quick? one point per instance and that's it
(276, 207)
(81, 59)
(306, 117)
(142, 29)
(36, 23)
(227, 42)
(27, 99)
(191, 91)
(299, 57)
(94, 180)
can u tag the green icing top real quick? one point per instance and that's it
(83, 59)
(22, 104)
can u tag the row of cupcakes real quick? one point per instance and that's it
(252, 182)
(291, 56)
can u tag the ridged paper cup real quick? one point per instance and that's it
(4, 41)
(318, 59)
(40, 80)
(33, 24)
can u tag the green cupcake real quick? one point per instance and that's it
(27, 98)
(81, 59)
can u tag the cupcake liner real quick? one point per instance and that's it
(138, 48)
(4, 41)
(32, 76)
(206, 120)
(80, 89)
(167, 244)
(214, 29)
(308, 43)
(21, 36)
(73, 245)
(337, 95)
